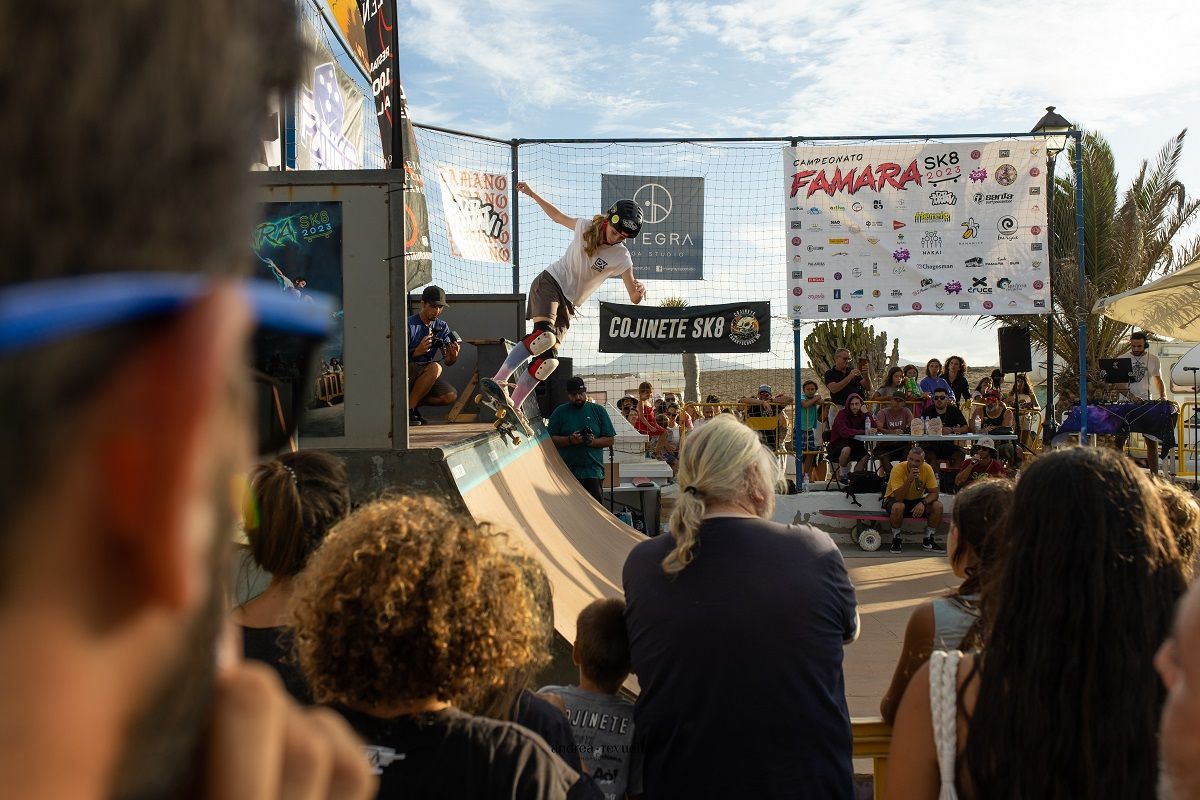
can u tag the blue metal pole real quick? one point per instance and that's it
(798, 393)
(1081, 294)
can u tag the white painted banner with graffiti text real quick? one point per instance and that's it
(884, 230)
(477, 218)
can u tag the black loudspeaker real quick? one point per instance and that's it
(1015, 355)
(552, 392)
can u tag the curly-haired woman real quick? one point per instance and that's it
(1063, 700)
(407, 611)
(736, 626)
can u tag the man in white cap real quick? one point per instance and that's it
(766, 404)
(983, 464)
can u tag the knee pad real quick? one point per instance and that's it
(541, 368)
(540, 340)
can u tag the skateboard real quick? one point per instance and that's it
(509, 419)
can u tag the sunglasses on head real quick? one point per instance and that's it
(288, 330)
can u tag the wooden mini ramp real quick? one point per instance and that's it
(528, 491)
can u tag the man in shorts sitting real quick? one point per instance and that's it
(912, 491)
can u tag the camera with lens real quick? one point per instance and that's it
(586, 435)
(439, 342)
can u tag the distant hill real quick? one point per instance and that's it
(664, 362)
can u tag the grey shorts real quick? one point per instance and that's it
(440, 387)
(546, 300)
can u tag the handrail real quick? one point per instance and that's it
(872, 737)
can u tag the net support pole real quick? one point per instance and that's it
(797, 392)
(1081, 308)
(515, 209)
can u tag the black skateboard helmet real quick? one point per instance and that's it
(626, 216)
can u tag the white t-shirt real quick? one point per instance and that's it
(1145, 367)
(578, 276)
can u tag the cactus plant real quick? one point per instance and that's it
(857, 337)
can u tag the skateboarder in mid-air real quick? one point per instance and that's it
(597, 252)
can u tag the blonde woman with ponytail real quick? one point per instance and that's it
(736, 627)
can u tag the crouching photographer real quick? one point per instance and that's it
(581, 430)
(430, 339)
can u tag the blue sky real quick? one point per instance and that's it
(529, 68)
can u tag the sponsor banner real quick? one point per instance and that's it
(477, 218)
(378, 24)
(927, 228)
(299, 246)
(329, 112)
(349, 20)
(671, 244)
(726, 328)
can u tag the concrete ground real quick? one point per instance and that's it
(888, 589)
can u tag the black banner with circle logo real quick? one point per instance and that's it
(727, 328)
(671, 243)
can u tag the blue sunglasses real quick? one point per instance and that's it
(289, 329)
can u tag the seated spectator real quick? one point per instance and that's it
(808, 421)
(406, 612)
(933, 379)
(601, 719)
(983, 464)
(294, 500)
(998, 381)
(430, 346)
(1021, 395)
(766, 404)
(841, 380)
(851, 421)
(912, 491)
(894, 418)
(952, 622)
(1083, 598)
(782, 723)
(627, 404)
(1178, 663)
(1184, 513)
(983, 387)
(953, 422)
(996, 419)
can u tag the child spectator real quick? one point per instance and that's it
(667, 447)
(294, 500)
(808, 420)
(601, 720)
(405, 612)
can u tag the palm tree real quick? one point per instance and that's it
(691, 365)
(1129, 240)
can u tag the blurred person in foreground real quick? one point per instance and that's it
(408, 611)
(1178, 663)
(736, 627)
(129, 130)
(1062, 701)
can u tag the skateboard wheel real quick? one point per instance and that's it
(516, 439)
(501, 413)
(478, 399)
(869, 540)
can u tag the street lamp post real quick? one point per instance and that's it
(1054, 128)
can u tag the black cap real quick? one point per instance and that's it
(576, 384)
(434, 295)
